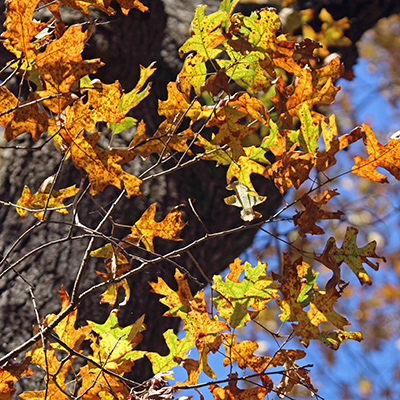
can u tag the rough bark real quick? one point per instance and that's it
(123, 45)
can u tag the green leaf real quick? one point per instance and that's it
(178, 350)
(111, 326)
(131, 100)
(304, 297)
(236, 297)
(309, 130)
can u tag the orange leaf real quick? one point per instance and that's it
(39, 200)
(11, 373)
(146, 229)
(20, 28)
(192, 310)
(333, 145)
(242, 354)
(104, 167)
(386, 156)
(23, 119)
(61, 65)
(230, 131)
(65, 329)
(298, 291)
(232, 392)
(127, 5)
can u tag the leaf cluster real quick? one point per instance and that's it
(241, 77)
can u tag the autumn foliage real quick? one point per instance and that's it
(241, 77)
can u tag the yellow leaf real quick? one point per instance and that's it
(146, 229)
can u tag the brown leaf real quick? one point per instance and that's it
(312, 213)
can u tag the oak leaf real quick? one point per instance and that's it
(42, 198)
(103, 166)
(116, 265)
(230, 131)
(236, 297)
(11, 373)
(386, 156)
(232, 392)
(291, 169)
(250, 163)
(350, 254)
(25, 118)
(192, 310)
(242, 354)
(299, 290)
(178, 350)
(306, 219)
(21, 29)
(333, 145)
(146, 228)
(132, 99)
(194, 367)
(206, 36)
(61, 65)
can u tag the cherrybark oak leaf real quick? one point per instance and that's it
(313, 87)
(127, 5)
(306, 219)
(11, 373)
(350, 254)
(232, 392)
(20, 28)
(192, 310)
(43, 198)
(57, 371)
(230, 131)
(283, 356)
(216, 83)
(385, 156)
(116, 265)
(178, 352)
(291, 169)
(194, 367)
(146, 228)
(334, 144)
(98, 385)
(26, 118)
(103, 100)
(61, 65)
(80, 5)
(293, 376)
(252, 40)
(206, 37)
(222, 157)
(132, 99)
(236, 297)
(115, 344)
(103, 166)
(242, 354)
(247, 165)
(246, 199)
(176, 106)
(297, 293)
(65, 330)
